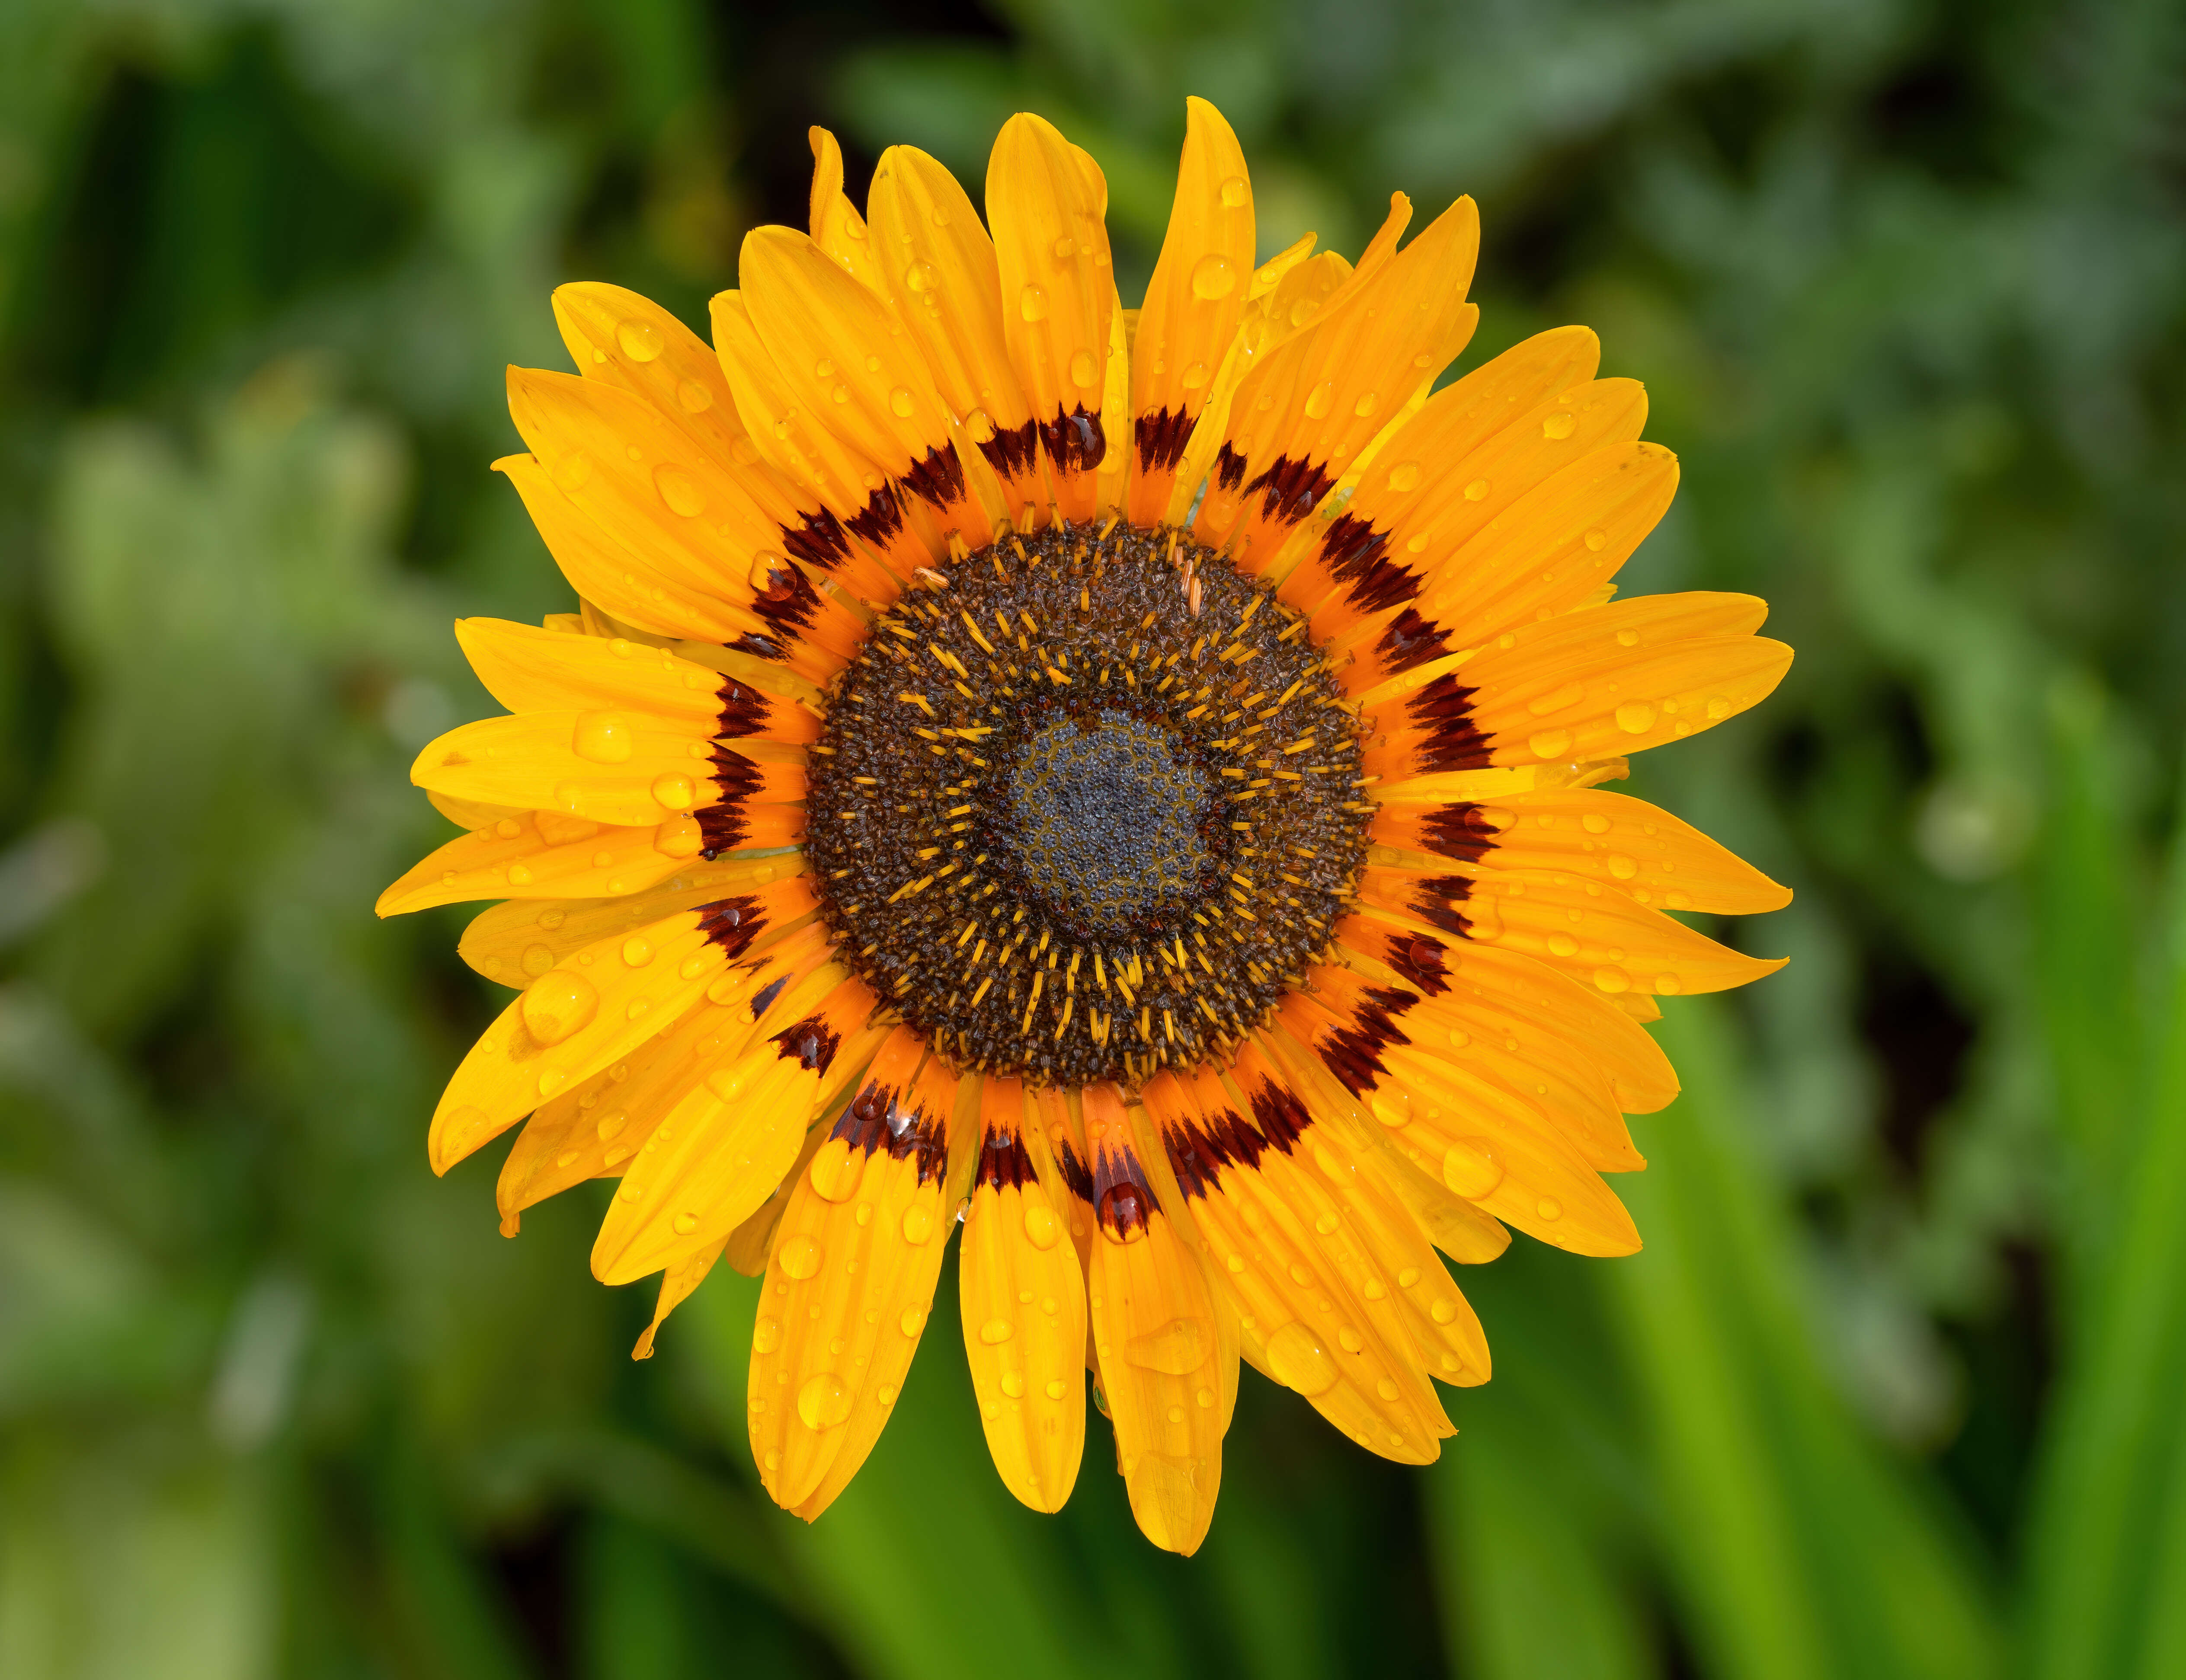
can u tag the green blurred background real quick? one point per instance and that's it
(1896, 1388)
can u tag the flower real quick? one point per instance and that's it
(1122, 781)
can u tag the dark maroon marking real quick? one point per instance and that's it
(1229, 470)
(1460, 831)
(1420, 960)
(1281, 1114)
(1201, 1151)
(1074, 441)
(1121, 1198)
(1353, 1051)
(877, 1119)
(1004, 1162)
(1077, 1176)
(788, 601)
(812, 1042)
(1356, 556)
(1445, 706)
(1161, 436)
(768, 994)
(1435, 899)
(732, 923)
(819, 541)
(1290, 490)
(937, 480)
(1011, 453)
(759, 647)
(883, 518)
(722, 828)
(743, 710)
(1410, 640)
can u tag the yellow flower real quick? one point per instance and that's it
(1121, 781)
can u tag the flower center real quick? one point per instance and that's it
(1086, 808)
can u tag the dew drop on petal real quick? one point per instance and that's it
(1470, 1169)
(1636, 717)
(800, 1257)
(693, 398)
(537, 959)
(766, 1335)
(1298, 1360)
(604, 737)
(1559, 426)
(917, 1224)
(1179, 1347)
(1212, 278)
(1551, 743)
(997, 1331)
(1234, 192)
(1031, 304)
(1082, 370)
(823, 1402)
(557, 1004)
(1040, 1227)
(677, 793)
(899, 402)
(1319, 399)
(641, 340)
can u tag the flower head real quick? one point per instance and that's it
(1124, 782)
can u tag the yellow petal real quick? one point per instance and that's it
(513, 860)
(837, 227)
(1156, 1334)
(579, 1016)
(1044, 203)
(849, 1283)
(722, 1150)
(515, 943)
(847, 360)
(1193, 303)
(1313, 402)
(941, 272)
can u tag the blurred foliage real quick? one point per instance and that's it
(1893, 1390)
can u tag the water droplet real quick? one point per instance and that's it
(1065, 248)
(1622, 867)
(1326, 1223)
(686, 1223)
(1365, 405)
(1405, 476)
(1122, 1211)
(557, 1004)
(1408, 1277)
(604, 737)
(1031, 304)
(1235, 1262)
(1302, 311)
(1562, 945)
(641, 340)
(1594, 823)
(1194, 377)
(836, 1170)
(1470, 1168)
(1013, 1385)
(1319, 399)
(1718, 706)
(1298, 1360)
(1178, 1347)
(1348, 1339)
(823, 1402)
(912, 1321)
(1549, 1208)
(1636, 717)
(997, 1331)
(1212, 278)
(1669, 985)
(799, 1258)
(917, 1224)
(1040, 1228)
(920, 276)
(1559, 426)
(537, 959)
(520, 875)
(1235, 192)
(1551, 743)
(766, 1335)
(1597, 540)
(979, 426)
(1082, 370)
(899, 402)
(1476, 491)
(693, 398)
(636, 952)
(840, 394)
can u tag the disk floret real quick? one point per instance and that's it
(1087, 805)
